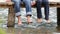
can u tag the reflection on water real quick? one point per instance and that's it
(58, 29)
(10, 31)
(2, 31)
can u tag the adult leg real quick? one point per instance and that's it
(17, 10)
(39, 14)
(46, 6)
(28, 10)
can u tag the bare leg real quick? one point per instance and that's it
(19, 20)
(29, 19)
(28, 10)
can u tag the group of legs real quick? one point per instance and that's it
(29, 11)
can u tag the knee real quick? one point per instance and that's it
(16, 1)
(46, 3)
(28, 1)
(39, 1)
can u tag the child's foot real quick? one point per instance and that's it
(39, 20)
(19, 20)
(20, 23)
(29, 20)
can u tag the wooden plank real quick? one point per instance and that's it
(51, 4)
(6, 3)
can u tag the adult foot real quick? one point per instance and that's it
(19, 20)
(39, 20)
(29, 20)
(48, 21)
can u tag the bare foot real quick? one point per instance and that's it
(29, 19)
(48, 21)
(19, 20)
(39, 20)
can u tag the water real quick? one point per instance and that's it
(52, 15)
(32, 29)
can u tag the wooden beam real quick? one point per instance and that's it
(58, 17)
(11, 17)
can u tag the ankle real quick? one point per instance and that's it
(39, 20)
(48, 21)
(29, 19)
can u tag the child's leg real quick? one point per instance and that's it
(28, 10)
(39, 14)
(46, 3)
(19, 20)
(17, 10)
(29, 19)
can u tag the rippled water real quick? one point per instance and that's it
(52, 15)
(43, 29)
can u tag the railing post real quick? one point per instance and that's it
(11, 17)
(58, 17)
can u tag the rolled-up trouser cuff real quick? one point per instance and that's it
(18, 14)
(28, 14)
